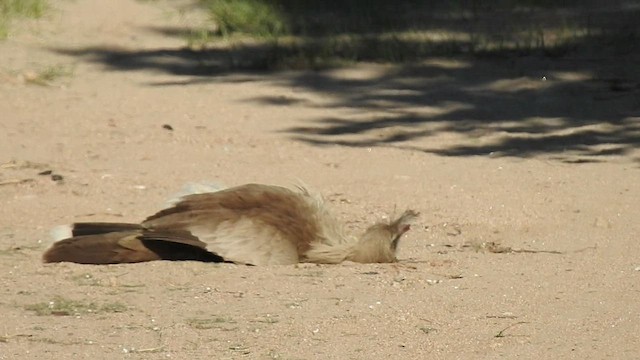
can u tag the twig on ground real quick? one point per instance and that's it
(501, 334)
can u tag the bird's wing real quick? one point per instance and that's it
(246, 240)
(129, 247)
(176, 245)
(244, 198)
(257, 224)
(96, 228)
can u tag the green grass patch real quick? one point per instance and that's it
(253, 17)
(213, 322)
(61, 306)
(85, 280)
(48, 75)
(272, 34)
(27, 8)
(267, 319)
(199, 38)
(12, 9)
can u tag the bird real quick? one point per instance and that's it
(252, 224)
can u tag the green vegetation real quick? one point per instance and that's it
(11, 9)
(315, 33)
(85, 279)
(198, 38)
(51, 73)
(61, 306)
(213, 322)
(251, 17)
(47, 75)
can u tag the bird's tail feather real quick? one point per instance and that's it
(97, 228)
(128, 247)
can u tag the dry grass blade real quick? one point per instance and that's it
(496, 248)
(16, 181)
(501, 334)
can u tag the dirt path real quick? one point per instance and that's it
(527, 245)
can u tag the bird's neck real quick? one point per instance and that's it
(371, 251)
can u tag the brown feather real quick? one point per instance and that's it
(272, 209)
(378, 244)
(253, 224)
(129, 247)
(96, 228)
(100, 249)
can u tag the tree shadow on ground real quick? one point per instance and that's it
(522, 107)
(578, 101)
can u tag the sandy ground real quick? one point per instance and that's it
(527, 245)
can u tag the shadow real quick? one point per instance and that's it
(181, 61)
(491, 107)
(486, 92)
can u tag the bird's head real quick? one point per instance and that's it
(379, 243)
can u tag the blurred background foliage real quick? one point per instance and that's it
(314, 33)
